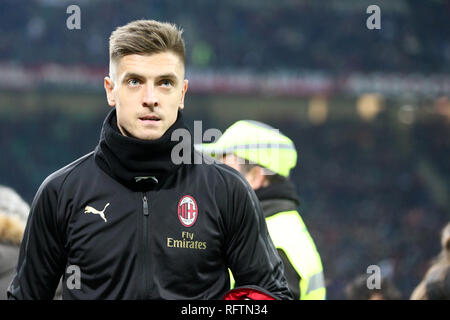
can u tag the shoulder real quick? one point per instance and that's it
(287, 225)
(55, 181)
(232, 190)
(215, 169)
(224, 175)
(227, 185)
(289, 217)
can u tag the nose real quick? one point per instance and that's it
(150, 99)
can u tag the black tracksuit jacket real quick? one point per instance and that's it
(171, 236)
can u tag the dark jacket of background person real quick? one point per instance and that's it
(436, 282)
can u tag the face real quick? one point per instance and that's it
(147, 91)
(232, 161)
(255, 177)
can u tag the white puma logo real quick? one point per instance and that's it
(90, 209)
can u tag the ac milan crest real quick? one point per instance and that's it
(187, 211)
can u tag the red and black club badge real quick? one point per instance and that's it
(187, 211)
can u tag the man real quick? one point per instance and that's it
(265, 158)
(126, 221)
(13, 216)
(435, 285)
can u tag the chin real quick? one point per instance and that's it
(150, 136)
(142, 134)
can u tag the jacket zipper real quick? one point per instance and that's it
(145, 268)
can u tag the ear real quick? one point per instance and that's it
(183, 93)
(109, 88)
(256, 177)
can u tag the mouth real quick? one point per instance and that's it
(150, 119)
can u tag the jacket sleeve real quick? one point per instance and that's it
(293, 278)
(42, 258)
(252, 257)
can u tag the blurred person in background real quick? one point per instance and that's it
(136, 223)
(265, 158)
(13, 217)
(359, 290)
(436, 282)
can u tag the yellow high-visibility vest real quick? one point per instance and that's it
(289, 234)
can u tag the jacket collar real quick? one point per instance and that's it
(278, 197)
(139, 164)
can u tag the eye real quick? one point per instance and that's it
(166, 83)
(133, 82)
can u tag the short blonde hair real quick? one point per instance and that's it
(146, 37)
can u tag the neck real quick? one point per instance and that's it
(139, 164)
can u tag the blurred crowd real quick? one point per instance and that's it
(260, 36)
(373, 193)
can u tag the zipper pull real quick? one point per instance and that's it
(145, 206)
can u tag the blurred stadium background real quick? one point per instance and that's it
(368, 109)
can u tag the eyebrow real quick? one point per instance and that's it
(171, 76)
(130, 75)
